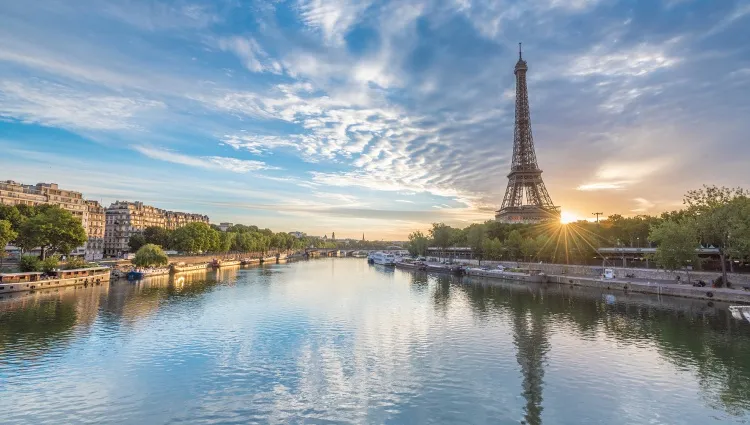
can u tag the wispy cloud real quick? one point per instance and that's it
(369, 101)
(612, 61)
(209, 162)
(58, 105)
(250, 53)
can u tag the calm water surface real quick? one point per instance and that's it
(339, 341)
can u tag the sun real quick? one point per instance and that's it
(568, 217)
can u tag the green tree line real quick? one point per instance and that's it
(53, 230)
(712, 216)
(203, 238)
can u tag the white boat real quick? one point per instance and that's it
(382, 258)
(740, 312)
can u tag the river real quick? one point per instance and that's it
(341, 341)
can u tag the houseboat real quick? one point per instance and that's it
(406, 263)
(533, 276)
(382, 258)
(138, 274)
(15, 282)
(217, 264)
(248, 261)
(183, 268)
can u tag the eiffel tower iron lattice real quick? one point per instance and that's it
(526, 198)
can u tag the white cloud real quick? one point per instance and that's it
(603, 186)
(332, 17)
(644, 205)
(209, 162)
(615, 175)
(610, 61)
(252, 55)
(57, 105)
(259, 145)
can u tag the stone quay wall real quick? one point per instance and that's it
(594, 271)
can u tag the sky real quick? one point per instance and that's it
(374, 117)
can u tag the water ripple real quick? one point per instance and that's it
(337, 341)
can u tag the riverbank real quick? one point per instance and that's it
(657, 288)
(631, 284)
(738, 279)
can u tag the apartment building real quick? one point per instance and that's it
(94, 225)
(124, 219)
(14, 193)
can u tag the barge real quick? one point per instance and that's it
(532, 276)
(183, 268)
(18, 282)
(217, 264)
(138, 274)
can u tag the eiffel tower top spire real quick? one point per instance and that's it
(525, 177)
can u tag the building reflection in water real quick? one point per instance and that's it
(531, 340)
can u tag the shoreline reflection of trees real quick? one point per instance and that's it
(706, 340)
(38, 324)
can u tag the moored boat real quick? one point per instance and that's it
(534, 276)
(138, 274)
(411, 264)
(183, 268)
(382, 258)
(740, 312)
(217, 264)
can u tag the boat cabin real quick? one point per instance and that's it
(73, 273)
(20, 277)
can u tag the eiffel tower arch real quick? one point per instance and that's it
(526, 198)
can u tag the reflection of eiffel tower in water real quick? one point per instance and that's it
(525, 176)
(530, 338)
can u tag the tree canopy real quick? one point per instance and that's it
(676, 243)
(418, 244)
(150, 255)
(53, 230)
(7, 234)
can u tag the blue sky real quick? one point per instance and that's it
(369, 116)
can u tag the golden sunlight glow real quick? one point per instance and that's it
(568, 217)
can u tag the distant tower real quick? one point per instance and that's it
(363, 237)
(525, 176)
(333, 236)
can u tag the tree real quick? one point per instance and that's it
(544, 247)
(476, 234)
(676, 243)
(150, 255)
(195, 237)
(7, 234)
(513, 244)
(243, 242)
(441, 235)
(417, 244)
(722, 217)
(53, 230)
(29, 263)
(136, 241)
(49, 264)
(11, 214)
(157, 236)
(528, 248)
(493, 249)
(226, 240)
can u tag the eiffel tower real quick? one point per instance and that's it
(525, 177)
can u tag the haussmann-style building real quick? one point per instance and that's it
(124, 219)
(90, 213)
